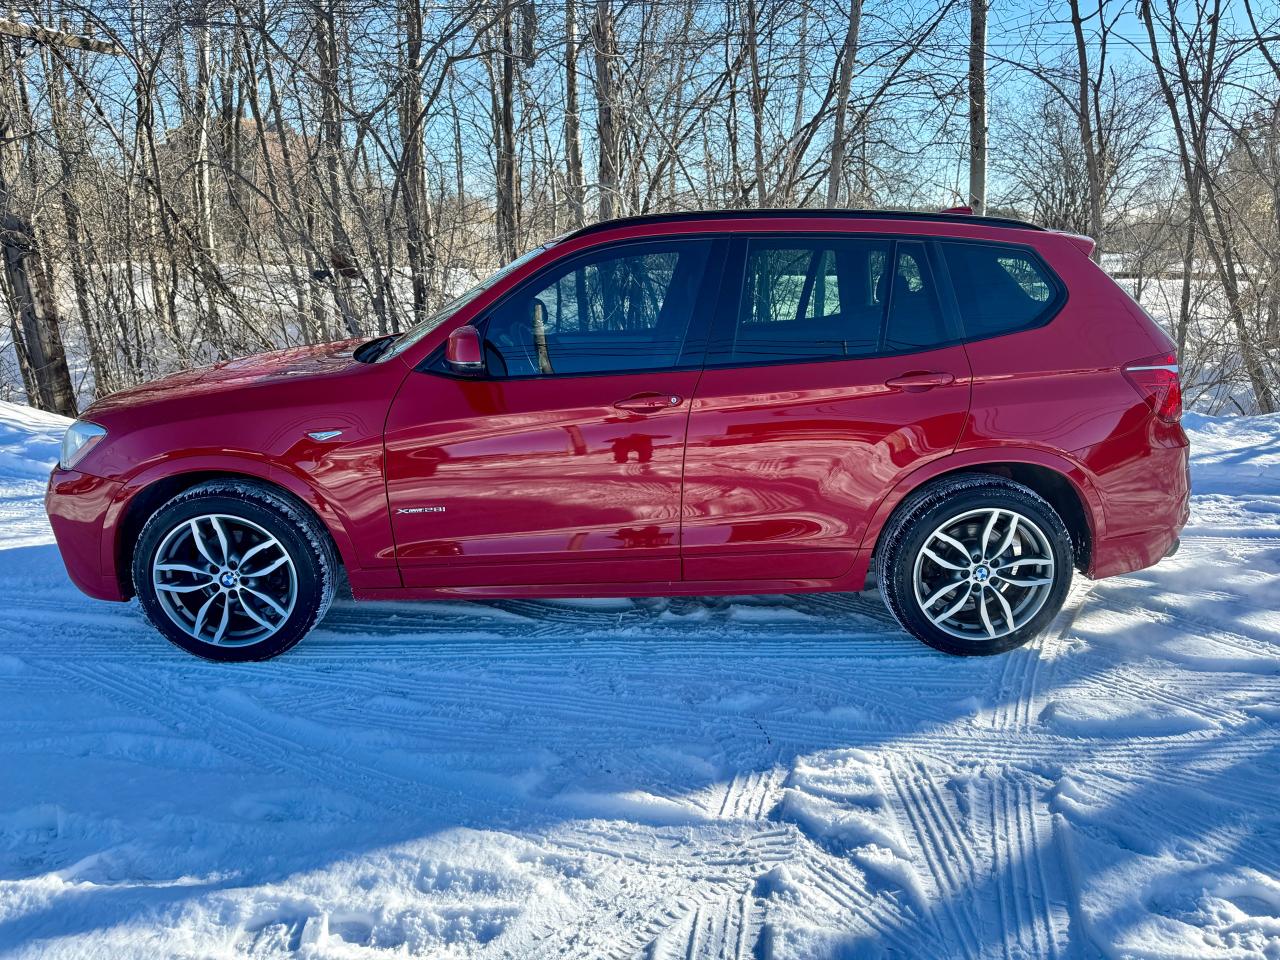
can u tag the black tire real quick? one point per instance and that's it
(286, 519)
(911, 528)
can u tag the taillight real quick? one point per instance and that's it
(1156, 380)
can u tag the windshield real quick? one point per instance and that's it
(420, 330)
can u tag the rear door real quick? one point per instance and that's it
(562, 464)
(835, 368)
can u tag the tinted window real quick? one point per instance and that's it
(622, 309)
(810, 300)
(915, 318)
(999, 289)
(830, 298)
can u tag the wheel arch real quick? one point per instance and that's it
(146, 492)
(1064, 484)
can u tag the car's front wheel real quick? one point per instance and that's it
(233, 570)
(975, 564)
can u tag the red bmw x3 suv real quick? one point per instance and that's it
(702, 403)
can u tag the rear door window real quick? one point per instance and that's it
(999, 289)
(805, 300)
(915, 316)
(832, 298)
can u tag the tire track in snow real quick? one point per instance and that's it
(1262, 794)
(1032, 918)
(1183, 822)
(1019, 687)
(124, 636)
(1208, 630)
(707, 910)
(1198, 538)
(649, 711)
(943, 849)
(751, 795)
(1125, 683)
(727, 928)
(255, 745)
(689, 922)
(439, 720)
(832, 605)
(878, 916)
(441, 696)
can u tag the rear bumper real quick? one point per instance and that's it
(1118, 555)
(1159, 519)
(78, 504)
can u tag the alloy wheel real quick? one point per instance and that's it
(224, 580)
(984, 573)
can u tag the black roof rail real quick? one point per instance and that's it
(804, 212)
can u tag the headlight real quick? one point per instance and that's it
(79, 440)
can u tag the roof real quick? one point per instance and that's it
(815, 213)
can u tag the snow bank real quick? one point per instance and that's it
(1234, 455)
(29, 441)
(29, 445)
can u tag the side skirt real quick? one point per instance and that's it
(850, 582)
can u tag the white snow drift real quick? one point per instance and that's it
(759, 776)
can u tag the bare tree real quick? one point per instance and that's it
(1192, 88)
(242, 174)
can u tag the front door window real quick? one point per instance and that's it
(621, 310)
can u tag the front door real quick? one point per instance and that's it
(563, 463)
(836, 372)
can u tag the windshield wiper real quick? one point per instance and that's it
(375, 348)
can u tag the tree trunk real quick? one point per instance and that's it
(978, 106)
(94, 344)
(419, 242)
(750, 29)
(281, 223)
(606, 134)
(26, 276)
(572, 123)
(1087, 141)
(848, 52)
(306, 226)
(28, 281)
(1191, 137)
(504, 130)
(342, 261)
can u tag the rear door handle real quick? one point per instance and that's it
(921, 380)
(648, 402)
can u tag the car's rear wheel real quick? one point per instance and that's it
(975, 564)
(233, 571)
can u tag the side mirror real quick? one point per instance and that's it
(464, 352)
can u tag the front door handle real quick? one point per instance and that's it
(921, 380)
(648, 402)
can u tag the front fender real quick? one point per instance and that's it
(367, 563)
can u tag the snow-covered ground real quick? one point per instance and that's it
(757, 776)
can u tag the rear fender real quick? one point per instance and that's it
(986, 457)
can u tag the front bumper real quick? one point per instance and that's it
(79, 505)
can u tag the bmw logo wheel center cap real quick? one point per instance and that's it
(981, 573)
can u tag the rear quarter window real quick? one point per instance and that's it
(1000, 289)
